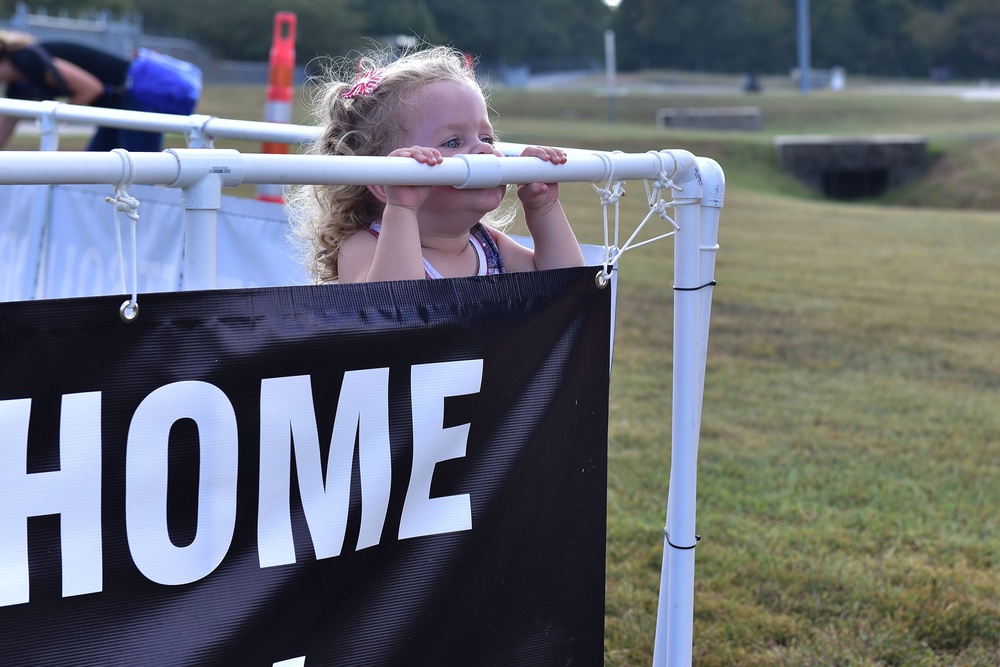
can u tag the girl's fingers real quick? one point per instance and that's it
(422, 154)
(547, 153)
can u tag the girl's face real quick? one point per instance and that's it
(451, 116)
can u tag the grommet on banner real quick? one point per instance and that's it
(128, 311)
(603, 277)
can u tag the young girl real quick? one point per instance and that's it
(426, 106)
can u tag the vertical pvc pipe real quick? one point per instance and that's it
(675, 616)
(201, 202)
(48, 130)
(280, 90)
(712, 201)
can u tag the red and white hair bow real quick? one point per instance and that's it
(365, 85)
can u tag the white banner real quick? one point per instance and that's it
(81, 257)
(20, 239)
(77, 255)
(253, 246)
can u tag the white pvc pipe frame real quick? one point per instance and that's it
(201, 173)
(199, 130)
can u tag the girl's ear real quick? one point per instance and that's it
(378, 191)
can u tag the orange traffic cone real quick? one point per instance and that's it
(280, 92)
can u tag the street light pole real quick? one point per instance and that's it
(803, 31)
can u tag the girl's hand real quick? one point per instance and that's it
(541, 196)
(412, 196)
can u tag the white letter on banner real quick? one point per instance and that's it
(287, 422)
(73, 492)
(146, 482)
(429, 385)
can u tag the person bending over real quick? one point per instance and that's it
(85, 75)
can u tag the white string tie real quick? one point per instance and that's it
(664, 182)
(661, 209)
(128, 206)
(125, 203)
(611, 195)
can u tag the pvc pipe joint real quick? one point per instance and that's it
(485, 171)
(197, 134)
(195, 164)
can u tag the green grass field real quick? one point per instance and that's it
(849, 469)
(849, 464)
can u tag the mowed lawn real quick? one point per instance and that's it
(849, 468)
(850, 461)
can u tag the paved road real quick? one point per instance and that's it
(631, 83)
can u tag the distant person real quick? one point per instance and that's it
(426, 105)
(85, 75)
(751, 83)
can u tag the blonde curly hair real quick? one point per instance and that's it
(322, 216)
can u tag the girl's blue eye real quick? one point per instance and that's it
(451, 143)
(489, 140)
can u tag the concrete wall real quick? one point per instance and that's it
(853, 167)
(711, 118)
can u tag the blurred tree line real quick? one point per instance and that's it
(878, 37)
(883, 37)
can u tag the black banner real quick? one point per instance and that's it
(384, 474)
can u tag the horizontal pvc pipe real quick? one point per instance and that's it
(677, 164)
(584, 165)
(217, 128)
(252, 130)
(81, 167)
(32, 167)
(466, 170)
